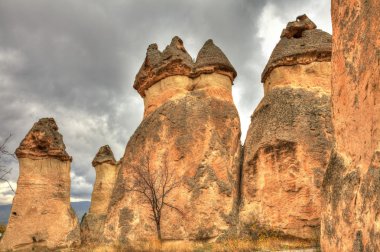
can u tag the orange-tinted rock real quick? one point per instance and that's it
(171, 73)
(307, 46)
(351, 188)
(289, 140)
(43, 141)
(41, 214)
(174, 60)
(191, 127)
(106, 170)
(295, 29)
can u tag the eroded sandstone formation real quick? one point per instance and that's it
(41, 214)
(172, 73)
(351, 187)
(190, 137)
(106, 170)
(290, 138)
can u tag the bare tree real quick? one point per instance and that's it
(4, 171)
(154, 185)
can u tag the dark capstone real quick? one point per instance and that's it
(104, 155)
(43, 140)
(314, 44)
(296, 28)
(211, 55)
(175, 60)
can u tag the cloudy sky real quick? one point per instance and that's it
(75, 60)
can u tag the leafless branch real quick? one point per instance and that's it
(3, 148)
(4, 171)
(154, 184)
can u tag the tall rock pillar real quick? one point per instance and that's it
(190, 138)
(290, 138)
(106, 170)
(41, 214)
(351, 188)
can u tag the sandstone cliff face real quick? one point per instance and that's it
(351, 187)
(41, 214)
(106, 170)
(190, 136)
(290, 138)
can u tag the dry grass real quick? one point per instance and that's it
(263, 243)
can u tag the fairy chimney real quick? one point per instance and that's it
(351, 186)
(106, 170)
(41, 215)
(189, 137)
(290, 137)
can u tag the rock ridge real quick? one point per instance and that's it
(43, 141)
(175, 60)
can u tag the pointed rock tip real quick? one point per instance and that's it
(209, 42)
(153, 46)
(176, 40)
(43, 141)
(211, 55)
(104, 155)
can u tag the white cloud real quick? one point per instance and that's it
(269, 26)
(6, 195)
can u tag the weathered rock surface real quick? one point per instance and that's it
(351, 186)
(41, 214)
(152, 80)
(191, 130)
(290, 138)
(106, 170)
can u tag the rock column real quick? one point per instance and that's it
(106, 171)
(351, 189)
(191, 133)
(41, 215)
(289, 139)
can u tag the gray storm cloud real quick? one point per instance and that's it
(76, 61)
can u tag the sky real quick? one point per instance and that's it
(76, 60)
